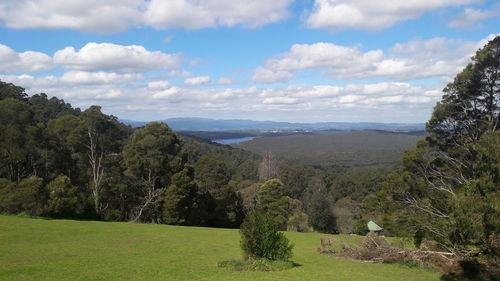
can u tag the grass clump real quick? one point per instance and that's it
(256, 265)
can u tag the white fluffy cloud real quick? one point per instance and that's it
(437, 57)
(190, 14)
(471, 17)
(102, 16)
(225, 81)
(158, 99)
(30, 61)
(83, 77)
(108, 16)
(112, 57)
(371, 14)
(198, 80)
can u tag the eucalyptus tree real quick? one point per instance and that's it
(152, 156)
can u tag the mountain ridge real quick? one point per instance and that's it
(208, 124)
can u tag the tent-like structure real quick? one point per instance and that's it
(374, 227)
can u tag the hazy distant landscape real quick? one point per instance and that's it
(330, 149)
(206, 124)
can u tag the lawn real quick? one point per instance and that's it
(41, 249)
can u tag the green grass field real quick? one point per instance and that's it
(40, 249)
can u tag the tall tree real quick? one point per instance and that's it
(9, 90)
(152, 155)
(444, 190)
(16, 139)
(268, 167)
(180, 198)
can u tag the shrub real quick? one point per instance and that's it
(261, 239)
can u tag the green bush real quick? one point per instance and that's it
(261, 239)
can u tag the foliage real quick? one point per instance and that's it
(16, 140)
(179, 198)
(8, 90)
(447, 188)
(63, 197)
(361, 227)
(299, 222)
(336, 149)
(261, 239)
(152, 156)
(274, 203)
(218, 203)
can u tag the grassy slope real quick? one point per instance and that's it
(39, 249)
(357, 148)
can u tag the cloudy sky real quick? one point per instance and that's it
(283, 60)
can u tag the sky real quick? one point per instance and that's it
(280, 60)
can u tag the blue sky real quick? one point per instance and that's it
(283, 60)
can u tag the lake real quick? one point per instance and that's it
(231, 141)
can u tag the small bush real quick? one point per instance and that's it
(261, 239)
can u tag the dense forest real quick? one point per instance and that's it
(59, 161)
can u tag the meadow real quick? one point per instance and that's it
(49, 249)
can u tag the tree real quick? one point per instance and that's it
(63, 197)
(274, 203)
(152, 155)
(445, 189)
(261, 239)
(218, 202)
(16, 141)
(470, 104)
(180, 198)
(8, 90)
(268, 168)
(46, 109)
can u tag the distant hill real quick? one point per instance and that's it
(206, 124)
(346, 149)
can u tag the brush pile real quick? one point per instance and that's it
(375, 248)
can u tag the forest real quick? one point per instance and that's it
(61, 162)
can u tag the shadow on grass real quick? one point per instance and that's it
(257, 265)
(453, 277)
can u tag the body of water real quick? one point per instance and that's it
(231, 141)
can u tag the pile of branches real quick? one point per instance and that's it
(377, 249)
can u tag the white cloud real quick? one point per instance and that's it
(189, 14)
(471, 18)
(179, 73)
(437, 57)
(159, 85)
(172, 92)
(117, 58)
(198, 80)
(102, 16)
(83, 77)
(266, 75)
(109, 16)
(159, 99)
(371, 14)
(280, 100)
(225, 81)
(11, 61)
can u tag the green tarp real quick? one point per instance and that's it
(373, 226)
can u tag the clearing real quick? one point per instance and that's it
(45, 249)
